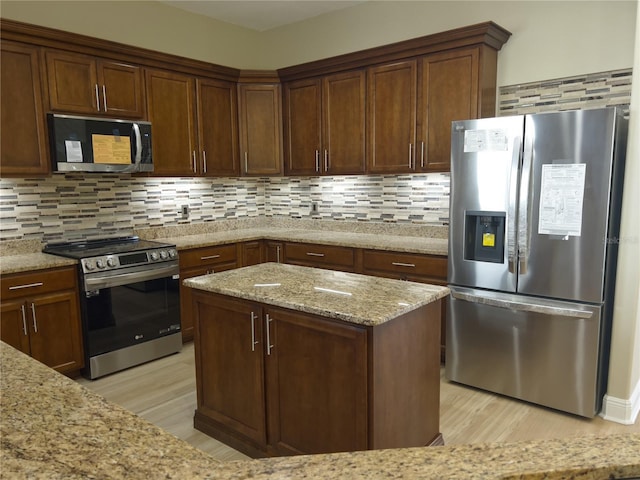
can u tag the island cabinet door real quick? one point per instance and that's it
(229, 367)
(316, 384)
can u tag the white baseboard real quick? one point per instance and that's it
(622, 410)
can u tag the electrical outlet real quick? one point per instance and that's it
(185, 211)
(314, 207)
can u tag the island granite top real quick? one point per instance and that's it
(350, 297)
(54, 428)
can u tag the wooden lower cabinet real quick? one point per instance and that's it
(273, 381)
(320, 256)
(41, 317)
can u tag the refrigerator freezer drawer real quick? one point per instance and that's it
(542, 351)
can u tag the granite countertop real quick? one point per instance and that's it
(32, 261)
(349, 297)
(54, 428)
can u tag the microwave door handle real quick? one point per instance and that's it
(512, 226)
(138, 156)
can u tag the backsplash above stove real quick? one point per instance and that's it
(88, 206)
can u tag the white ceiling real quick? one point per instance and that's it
(261, 15)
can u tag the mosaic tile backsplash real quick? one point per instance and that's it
(79, 206)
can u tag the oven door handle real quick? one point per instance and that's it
(131, 277)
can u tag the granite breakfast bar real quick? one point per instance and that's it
(298, 360)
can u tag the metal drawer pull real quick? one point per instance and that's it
(311, 254)
(253, 332)
(400, 264)
(24, 318)
(28, 285)
(209, 257)
(269, 346)
(33, 313)
(278, 253)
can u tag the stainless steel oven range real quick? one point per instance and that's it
(129, 300)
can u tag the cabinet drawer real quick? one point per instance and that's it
(208, 256)
(405, 265)
(36, 283)
(319, 254)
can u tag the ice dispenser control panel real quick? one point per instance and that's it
(484, 236)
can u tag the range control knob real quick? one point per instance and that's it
(111, 262)
(100, 263)
(89, 265)
(154, 256)
(163, 254)
(173, 253)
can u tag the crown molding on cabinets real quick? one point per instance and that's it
(76, 43)
(487, 33)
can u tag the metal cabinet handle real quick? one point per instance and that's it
(104, 97)
(317, 160)
(33, 314)
(193, 161)
(421, 154)
(246, 163)
(326, 160)
(97, 98)
(253, 332)
(278, 253)
(311, 254)
(26, 285)
(269, 346)
(409, 155)
(24, 318)
(400, 264)
(204, 161)
(209, 257)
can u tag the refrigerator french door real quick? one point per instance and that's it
(534, 222)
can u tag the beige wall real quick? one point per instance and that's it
(624, 370)
(550, 39)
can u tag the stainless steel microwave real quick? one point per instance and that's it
(88, 144)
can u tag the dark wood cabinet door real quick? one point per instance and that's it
(260, 114)
(316, 384)
(55, 338)
(344, 125)
(274, 251)
(73, 82)
(252, 253)
(392, 117)
(23, 148)
(302, 127)
(186, 302)
(170, 103)
(449, 91)
(217, 128)
(121, 89)
(13, 325)
(229, 365)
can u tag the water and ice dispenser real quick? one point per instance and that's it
(484, 236)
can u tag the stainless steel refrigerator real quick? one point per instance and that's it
(533, 235)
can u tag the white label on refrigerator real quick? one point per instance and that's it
(561, 198)
(495, 139)
(74, 151)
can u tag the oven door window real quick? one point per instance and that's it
(126, 315)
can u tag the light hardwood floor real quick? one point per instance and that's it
(163, 392)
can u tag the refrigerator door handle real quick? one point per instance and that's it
(512, 227)
(519, 305)
(524, 206)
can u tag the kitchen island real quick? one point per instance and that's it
(53, 428)
(295, 360)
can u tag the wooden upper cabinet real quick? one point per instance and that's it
(325, 125)
(392, 95)
(217, 128)
(89, 85)
(170, 102)
(260, 122)
(449, 87)
(303, 127)
(23, 148)
(344, 122)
